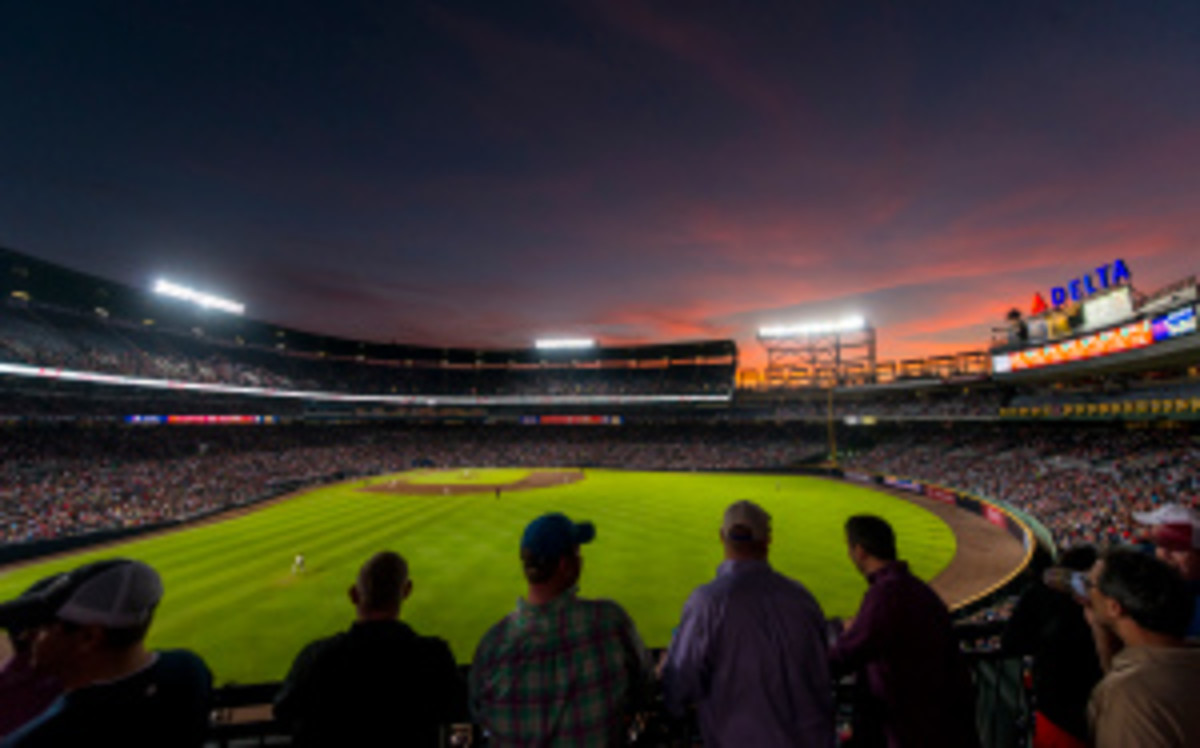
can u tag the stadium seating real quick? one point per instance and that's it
(63, 481)
(1082, 483)
(53, 337)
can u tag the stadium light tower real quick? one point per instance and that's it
(825, 353)
(199, 298)
(564, 344)
(821, 354)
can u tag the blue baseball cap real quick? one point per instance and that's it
(554, 535)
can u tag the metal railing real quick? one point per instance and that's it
(1004, 711)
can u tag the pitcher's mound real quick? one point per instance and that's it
(537, 479)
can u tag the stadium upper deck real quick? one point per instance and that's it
(73, 344)
(70, 324)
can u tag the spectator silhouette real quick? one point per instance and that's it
(1050, 626)
(750, 650)
(1176, 536)
(378, 683)
(559, 670)
(1139, 609)
(918, 690)
(92, 623)
(24, 692)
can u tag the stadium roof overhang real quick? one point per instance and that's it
(48, 283)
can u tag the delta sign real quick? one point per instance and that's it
(1078, 289)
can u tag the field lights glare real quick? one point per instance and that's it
(208, 301)
(562, 344)
(853, 323)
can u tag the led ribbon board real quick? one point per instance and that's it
(1131, 337)
(116, 380)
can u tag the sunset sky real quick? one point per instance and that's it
(483, 173)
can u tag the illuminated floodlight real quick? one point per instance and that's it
(564, 344)
(853, 323)
(208, 301)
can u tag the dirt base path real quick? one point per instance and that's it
(536, 479)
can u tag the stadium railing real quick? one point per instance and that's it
(1004, 709)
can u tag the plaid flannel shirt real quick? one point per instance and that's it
(569, 672)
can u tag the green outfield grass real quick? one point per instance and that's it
(231, 596)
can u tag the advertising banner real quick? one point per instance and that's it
(1109, 342)
(944, 495)
(1172, 325)
(568, 420)
(1107, 310)
(995, 516)
(903, 484)
(200, 420)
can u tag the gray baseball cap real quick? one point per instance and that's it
(746, 521)
(118, 593)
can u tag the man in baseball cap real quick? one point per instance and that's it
(91, 627)
(1175, 532)
(750, 651)
(554, 536)
(746, 522)
(558, 669)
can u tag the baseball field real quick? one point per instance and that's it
(232, 594)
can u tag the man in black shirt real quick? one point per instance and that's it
(1050, 625)
(378, 683)
(92, 623)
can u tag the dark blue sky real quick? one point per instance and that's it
(480, 173)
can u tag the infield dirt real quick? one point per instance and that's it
(537, 479)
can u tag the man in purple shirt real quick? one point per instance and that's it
(750, 651)
(918, 689)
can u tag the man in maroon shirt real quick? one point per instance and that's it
(24, 692)
(918, 690)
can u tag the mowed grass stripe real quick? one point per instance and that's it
(283, 532)
(231, 596)
(277, 596)
(341, 542)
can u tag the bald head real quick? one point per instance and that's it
(382, 585)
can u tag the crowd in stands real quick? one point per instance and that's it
(1108, 392)
(899, 404)
(57, 482)
(62, 339)
(1082, 484)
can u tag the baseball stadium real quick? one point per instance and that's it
(256, 467)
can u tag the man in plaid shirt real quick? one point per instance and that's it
(558, 670)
